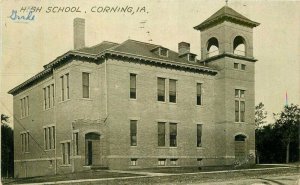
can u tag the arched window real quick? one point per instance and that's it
(239, 46)
(212, 47)
(240, 137)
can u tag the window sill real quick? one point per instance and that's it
(86, 99)
(200, 148)
(48, 108)
(65, 165)
(132, 99)
(162, 102)
(48, 150)
(200, 106)
(64, 101)
(173, 103)
(133, 146)
(167, 147)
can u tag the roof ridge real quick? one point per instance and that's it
(142, 42)
(97, 45)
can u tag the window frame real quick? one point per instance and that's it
(199, 94)
(133, 135)
(160, 90)
(173, 135)
(239, 99)
(171, 92)
(161, 135)
(84, 86)
(199, 135)
(132, 96)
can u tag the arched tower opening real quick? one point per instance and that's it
(239, 46)
(212, 47)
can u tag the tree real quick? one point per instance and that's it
(7, 147)
(287, 125)
(260, 115)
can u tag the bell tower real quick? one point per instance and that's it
(227, 45)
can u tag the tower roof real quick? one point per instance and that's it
(226, 14)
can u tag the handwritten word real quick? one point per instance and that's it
(27, 17)
(56, 9)
(118, 9)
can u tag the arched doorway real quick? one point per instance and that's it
(240, 146)
(92, 149)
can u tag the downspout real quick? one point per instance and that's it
(106, 86)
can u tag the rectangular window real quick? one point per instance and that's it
(27, 97)
(53, 95)
(45, 98)
(161, 134)
(199, 94)
(25, 141)
(85, 85)
(243, 67)
(173, 162)
(163, 52)
(173, 134)
(45, 139)
(68, 86)
(53, 136)
(172, 91)
(239, 105)
(62, 88)
(132, 86)
(50, 137)
(68, 153)
(76, 143)
(21, 102)
(160, 89)
(161, 162)
(237, 108)
(25, 106)
(199, 135)
(133, 162)
(22, 142)
(242, 107)
(236, 65)
(49, 97)
(65, 148)
(133, 132)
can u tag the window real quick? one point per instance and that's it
(163, 52)
(25, 141)
(199, 94)
(133, 132)
(53, 94)
(172, 91)
(161, 134)
(85, 85)
(236, 65)
(239, 105)
(65, 148)
(133, 162)
(49, 137)
(160, 89)
(192, 57)
(243, 67)
(48, 92)
(173, 162)
(173, 134)
(76, 143)
(161, 162)
(132, 86)
(199, 135)
(62, 88)
(24, 106)
(68, 86)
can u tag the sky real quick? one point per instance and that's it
(28, 45)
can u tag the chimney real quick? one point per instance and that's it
(79, 33)
(183, 47)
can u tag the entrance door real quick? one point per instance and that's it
(90, 153)
(92, 149)
(240, 147)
